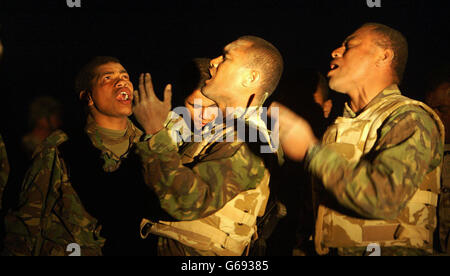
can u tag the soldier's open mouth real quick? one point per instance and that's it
(123, 96)
(333, 67)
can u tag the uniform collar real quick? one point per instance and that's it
(112, 161)
(390, 90)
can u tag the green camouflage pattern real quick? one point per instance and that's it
(198, 181)
(111, 160)
(384, 251)
(379, 171)
(444, 205)
(50, 215)
(4, 168)
(226, 232)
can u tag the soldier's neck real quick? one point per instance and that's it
(113, 123)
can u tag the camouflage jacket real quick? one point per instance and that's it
(200, 178)
(379, 184)
(4, 169)
(51, 215)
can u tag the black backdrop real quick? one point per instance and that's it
(46, 42)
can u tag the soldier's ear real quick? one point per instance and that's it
(86, 97)
(251, 78)
(385, 57)
(327, 106)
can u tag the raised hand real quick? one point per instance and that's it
(149, 111)
(295, 133)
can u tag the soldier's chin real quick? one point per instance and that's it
(335, 86)
(206, 91)
(127, 113)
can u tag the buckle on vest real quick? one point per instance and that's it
(145, 227)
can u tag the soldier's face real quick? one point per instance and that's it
(227, 72)
(439, 100)
(202, 109)
(112, 92)
(353, 61)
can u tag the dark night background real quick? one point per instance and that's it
(46, 42)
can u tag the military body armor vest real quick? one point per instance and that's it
(352, 138)
(226, 232)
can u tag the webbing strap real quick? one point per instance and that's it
(207, 236)
(425, 197)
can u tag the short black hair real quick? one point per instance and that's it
(191, 76)
(43, 107)
(390, 38)
(266, 57)
(83, 80)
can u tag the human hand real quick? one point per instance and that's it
(295, 133)
(149, 111)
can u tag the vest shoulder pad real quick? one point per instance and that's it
(55, 139)
(221, 150)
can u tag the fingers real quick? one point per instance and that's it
(168, 95)
(281, 110)
(136, 98)
(142, 92)
(149, 86)
(271, 108)
(146, 90)
(286, 115)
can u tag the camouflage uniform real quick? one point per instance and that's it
(52, 213)
(214, 189)
(4, 169)
(380, 173)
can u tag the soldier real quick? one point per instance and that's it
(379, 163)
(45, 114)
(321, 95)
(214, 189)
(202, 109)
(87, 189)
(196, 110)
(438, 98)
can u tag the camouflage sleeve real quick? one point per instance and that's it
(381, 182)
(39, 226)
(23, 226)
(4, 169)
(189, 193)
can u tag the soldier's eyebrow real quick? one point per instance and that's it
(225, 53)
(110, 73)
(349, 38)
